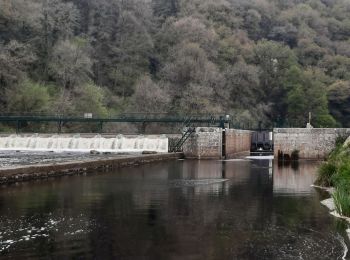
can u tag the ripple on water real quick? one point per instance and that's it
(295, 243)
(191, 183)
(26, 229)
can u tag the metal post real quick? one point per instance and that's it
(101, 126)
(59, 126)
(143, 128)
(17, 126)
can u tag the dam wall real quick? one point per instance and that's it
(204, 143)
(311, 143)
(237, 142)
(217, 143)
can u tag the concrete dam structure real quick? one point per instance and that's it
(310, 143)
(84, 143)
(217, 143)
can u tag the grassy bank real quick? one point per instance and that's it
(335, 172)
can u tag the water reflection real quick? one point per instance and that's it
(172, 210)
(295, 178)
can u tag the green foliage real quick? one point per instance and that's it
(339, 96)
(274, 60)
(336, 172)
(28, 97)
(306, 93)
(325, 174)
(341, 198)
(90, 99)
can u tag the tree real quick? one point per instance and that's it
(28, 97)
(306, 93)
(242, 80)
(70, 64)
(149, 97)
(252, 21)
(90, 99)
(274, 61)
(309, 53)
(165, 8)
(15, 60)
(339, 98)
(58, 22)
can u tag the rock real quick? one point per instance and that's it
(149, 152)
(329, 203)
(347, 142)
(94, 152)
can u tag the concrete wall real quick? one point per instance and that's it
(238, 142)
(207, 143)
(204, 143)
(312, 143)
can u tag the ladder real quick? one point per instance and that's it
(190, 129)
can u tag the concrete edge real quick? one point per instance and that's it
(237, 154)
(32, 172)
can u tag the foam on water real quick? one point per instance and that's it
(77, 143)
(24, 230)
(268, 157)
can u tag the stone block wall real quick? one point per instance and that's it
(312, 143)
(237, 142)
(204, 143)
(207, 143)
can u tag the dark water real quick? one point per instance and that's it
(172, 210)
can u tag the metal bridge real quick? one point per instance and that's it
(61, 120)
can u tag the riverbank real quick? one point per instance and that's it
(82, 166)
(334, 178)
(335, 172)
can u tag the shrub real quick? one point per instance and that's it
(28, 97)
(341, 198)
(325, 174)
(342, 175)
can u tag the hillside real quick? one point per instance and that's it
(258, 60)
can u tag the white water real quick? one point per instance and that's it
(77, 143)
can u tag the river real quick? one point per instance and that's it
(235, 209)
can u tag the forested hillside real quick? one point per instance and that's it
(258, 60)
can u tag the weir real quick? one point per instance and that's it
(78, 143)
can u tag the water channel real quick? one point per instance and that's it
(184, 209)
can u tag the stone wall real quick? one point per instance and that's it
(237, 142)
(207, 143)
(204, 143)
(312, 143)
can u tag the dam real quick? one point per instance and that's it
(84, 143)
(211, 189)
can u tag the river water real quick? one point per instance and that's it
(236, 209)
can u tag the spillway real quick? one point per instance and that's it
(78, 143)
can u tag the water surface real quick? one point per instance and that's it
(239, 209)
